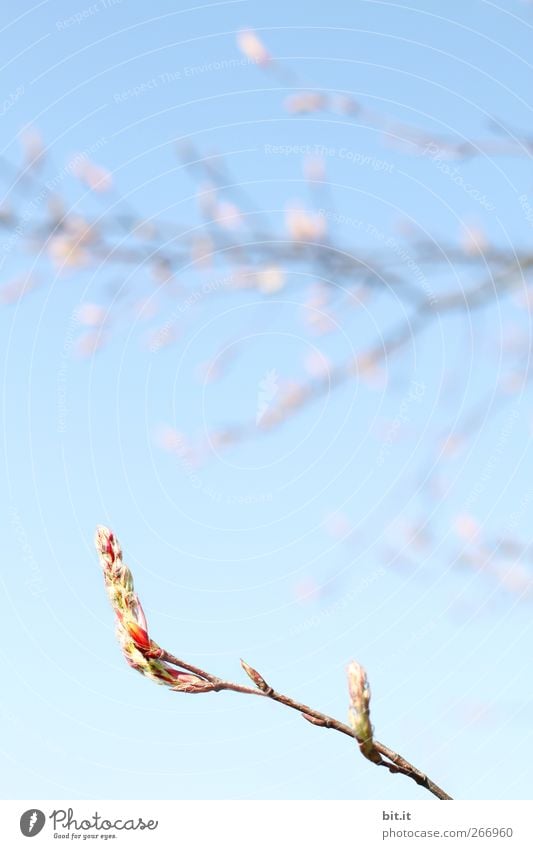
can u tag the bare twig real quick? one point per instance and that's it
(151, 660)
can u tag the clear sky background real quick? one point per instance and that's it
(241, 560)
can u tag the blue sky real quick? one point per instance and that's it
(218, 560)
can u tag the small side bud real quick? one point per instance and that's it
(186, 683)
(258, 679)
(359, 714)
(314, 720)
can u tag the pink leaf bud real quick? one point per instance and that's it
(258, 679)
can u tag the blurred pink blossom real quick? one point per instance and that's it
(252, 47)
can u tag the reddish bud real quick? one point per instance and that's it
(258, 679)
(109, 547)
(137, 634)
(154, 651)
(141, 618)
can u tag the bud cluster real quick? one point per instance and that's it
(132, 630)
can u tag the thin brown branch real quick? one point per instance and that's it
(151, 660)
(394, 762)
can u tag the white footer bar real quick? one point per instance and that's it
(272, 824)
